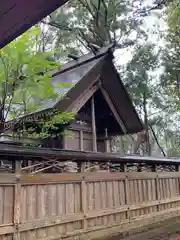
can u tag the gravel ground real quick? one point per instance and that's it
(167, 230)
(174, 237)
(162, 233)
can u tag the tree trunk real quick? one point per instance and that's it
(1, 118)
(147, 143)
(154, 134)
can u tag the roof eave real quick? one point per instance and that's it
(18, 16)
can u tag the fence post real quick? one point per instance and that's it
(123, 167)
(127, 192)
(17, 200)
(84, 201)
(177, 168)
(157, 189)
(154, 168)
(139, 168)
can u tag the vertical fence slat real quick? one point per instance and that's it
(77, 198)
(127, 197)
(104, 201)
(23, 204)
(1, 204)
(149, 190)
(17, 200)
(110, 201)
(97, 201)
(60, 205)
(41, 209)
(69, 204)
(158, 190)
(84, 202)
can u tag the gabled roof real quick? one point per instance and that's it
(83, 74)
(16, 16)
(72, 73)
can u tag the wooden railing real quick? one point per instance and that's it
(51, 206)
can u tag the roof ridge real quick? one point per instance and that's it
(83, 59)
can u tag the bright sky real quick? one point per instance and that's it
(152, 24)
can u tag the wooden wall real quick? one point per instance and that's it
(79, 137)
(53, 206)
(76, 137)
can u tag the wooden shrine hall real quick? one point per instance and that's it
(97, 97)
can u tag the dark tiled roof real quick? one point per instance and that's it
(70, 74)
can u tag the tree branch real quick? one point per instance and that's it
(154, 135)
(159, 111)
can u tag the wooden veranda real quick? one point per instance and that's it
(87, 204)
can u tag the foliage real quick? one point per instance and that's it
(162, 94)
(139, 79)
(24, 75)
(25, 78)
(80, 22)
(49, 125)
(170, 80)
(171, 60)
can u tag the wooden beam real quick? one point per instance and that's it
(94, 137)
(113, 109)
(63, 219)
(83, 98)
(83, 117)
(34, 153)
(80, 127)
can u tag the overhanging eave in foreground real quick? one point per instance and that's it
(17, 16)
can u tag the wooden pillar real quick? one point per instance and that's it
(83, 164)
(139, 167)
(65, 146)
(94, 137)
(177, 168)
(154, 168)
(29, 162)
(123, 167)
(13, 166)
(81, 140)
(121, 145)
(107, 142)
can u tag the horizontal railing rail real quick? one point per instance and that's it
(19, 153)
